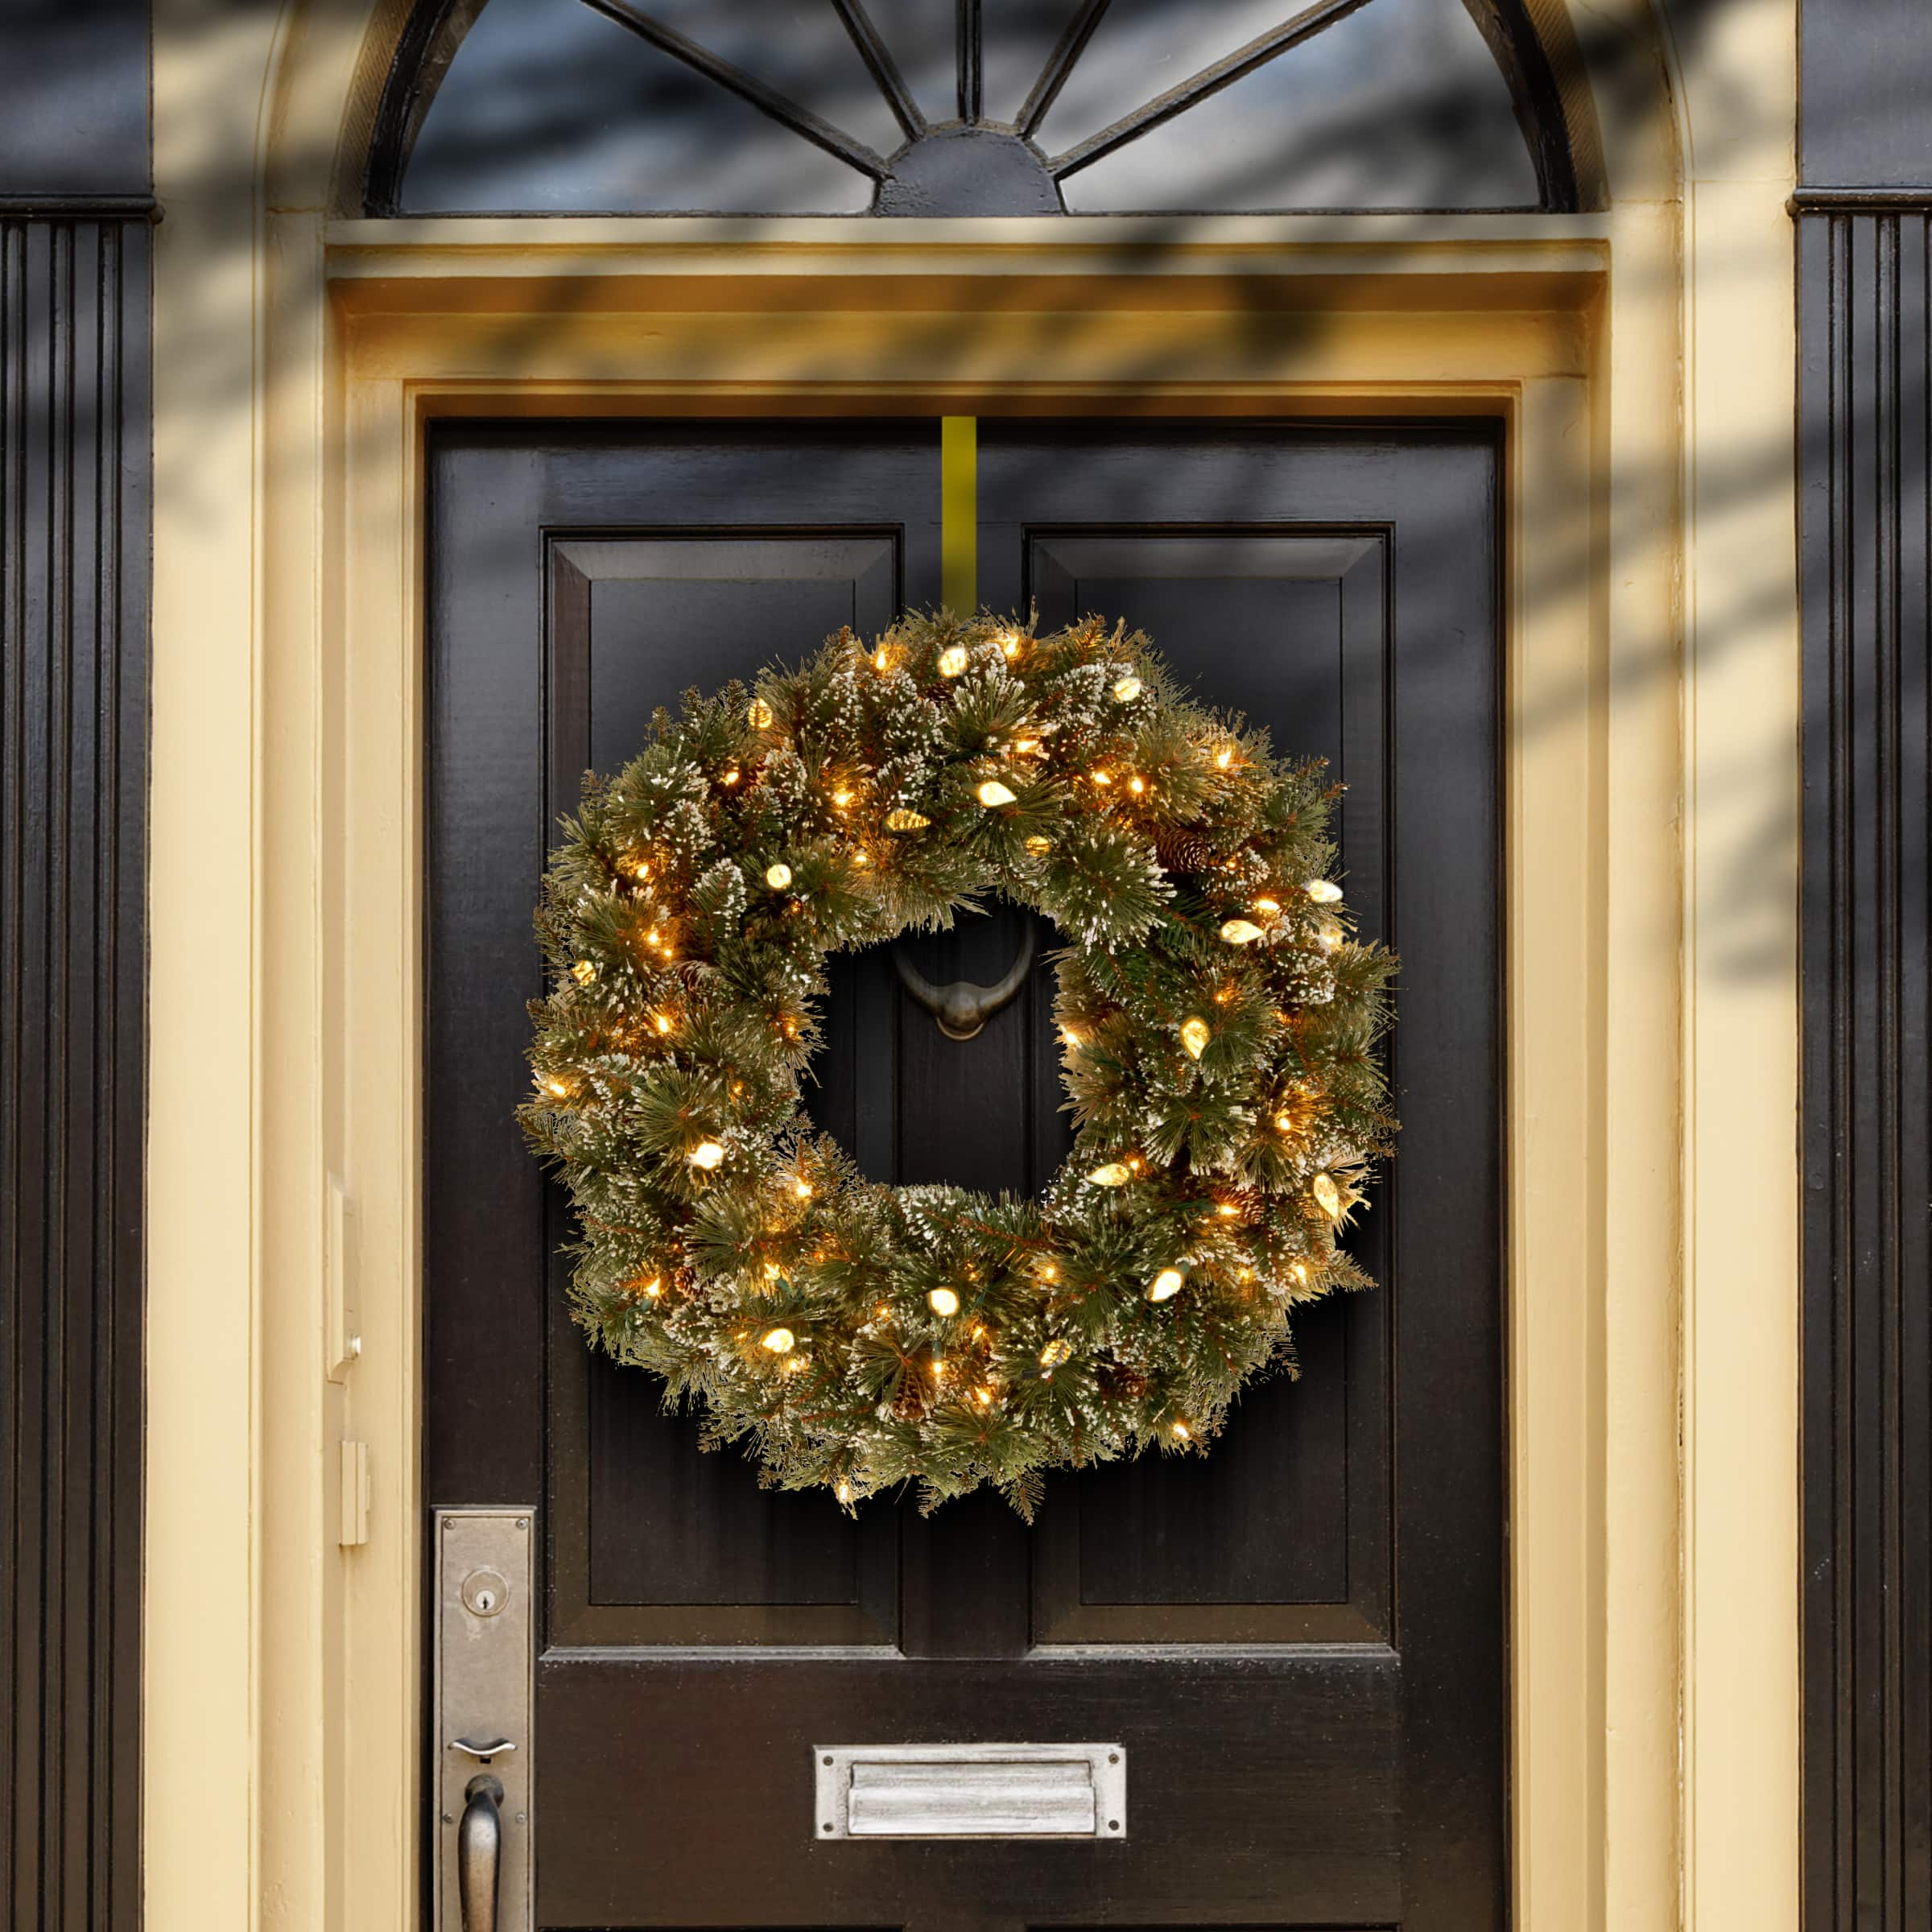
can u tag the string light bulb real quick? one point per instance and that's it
(760, 715)
(1165, 1285)
(1324, 892)
(780, 1341)
(1113, 1174)
(1267, 908)
(730, 775)
(881, 659)
(952, 660)
(1328, 932)
(943, 1302)
(583, 972)
(902, 818)
(555, 1087)
(1039, 844)
(707, 1155)
(1056, 1351)
(1137, 784)
(801, 1189)
(778, 875)
(1127, 690)
(1240, 932)
(662, 1021)
(993, 793)
(1224, 758)
(1327, 1195)
(1010, 643)
(1195, 1034)
(1181, 1432)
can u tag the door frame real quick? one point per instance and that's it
(1652, 1481)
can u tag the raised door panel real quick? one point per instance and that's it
(655, 1541)
(1283, 1535)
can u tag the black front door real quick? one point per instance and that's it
(1299, 1641)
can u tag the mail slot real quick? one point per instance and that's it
(970, 1791)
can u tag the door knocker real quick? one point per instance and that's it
(963, 1008)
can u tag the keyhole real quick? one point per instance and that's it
(484, 1593)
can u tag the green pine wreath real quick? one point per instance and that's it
(1220, 1030)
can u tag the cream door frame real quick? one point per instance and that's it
(1651, 686)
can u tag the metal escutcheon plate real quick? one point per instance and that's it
(484, 1634)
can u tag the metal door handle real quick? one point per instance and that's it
(963, 1008)
(480, 1852)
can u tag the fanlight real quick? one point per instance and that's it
(969, 107)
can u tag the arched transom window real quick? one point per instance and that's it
(969, 107)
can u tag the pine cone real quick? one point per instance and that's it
(1182, 849)
(1120, 1383)
(909, 1404)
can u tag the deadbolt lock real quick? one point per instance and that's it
(484, 1593)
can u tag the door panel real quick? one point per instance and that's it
(1420, 848)
(1283, 1536)
(1299, 1639)
(654, 1542)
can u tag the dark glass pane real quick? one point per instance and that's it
(798, 47)
(1399, 106)
(1019, 37)
(922, 37)
(550, 107)
(1143, 48)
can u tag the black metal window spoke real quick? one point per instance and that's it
(844, 106)
(1211, 80)
(767, 100)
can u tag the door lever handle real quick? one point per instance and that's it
(480, 1852)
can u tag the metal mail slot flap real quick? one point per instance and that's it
(970, 1791)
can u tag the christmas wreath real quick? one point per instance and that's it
(1218, 1026)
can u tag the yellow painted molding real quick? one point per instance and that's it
(397, 368)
